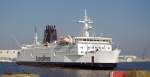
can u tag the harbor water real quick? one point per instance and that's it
(69, 72)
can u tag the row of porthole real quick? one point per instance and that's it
(6, 51)
(92, 40)
(5, 58)
(95, 47)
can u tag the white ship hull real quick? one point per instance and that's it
(50, 57)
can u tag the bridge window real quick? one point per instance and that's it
(109, 41)
(91, 39)
(95, 40)
(84, 39)
(88, 40)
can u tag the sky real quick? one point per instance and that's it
(126, 21)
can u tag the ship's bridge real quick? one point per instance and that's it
(102, 40)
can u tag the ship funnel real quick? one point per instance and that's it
(50, 34)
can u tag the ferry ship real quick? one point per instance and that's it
(70, 51)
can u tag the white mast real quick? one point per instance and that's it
(87, 26)
(36, 36)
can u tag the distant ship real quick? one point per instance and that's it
(8, 55)
(69, 51)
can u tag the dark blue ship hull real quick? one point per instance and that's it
(102, 66)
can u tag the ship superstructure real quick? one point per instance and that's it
(85, 50)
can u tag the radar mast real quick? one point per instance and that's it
(36, 36)
(87, 25)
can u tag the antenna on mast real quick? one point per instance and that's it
(86, 21)
(85, 14)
